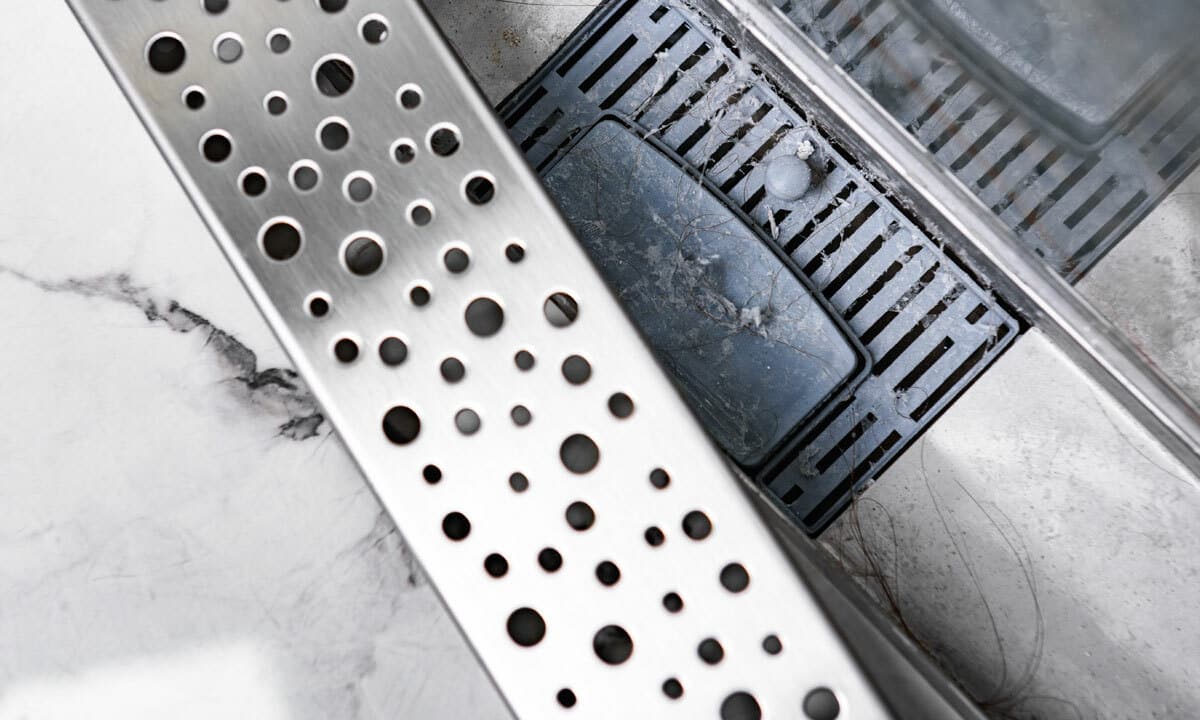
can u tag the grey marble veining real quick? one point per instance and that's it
(276, 390)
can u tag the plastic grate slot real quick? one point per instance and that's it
(880, 282)
(609, 62)
(918, 329)
(642, 69)
(893, 312)
(855, 476)
(848, 230)
(876, 269)
(915, 75)
(1090, 204)
(997, 169)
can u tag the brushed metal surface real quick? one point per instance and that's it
(1088, 338)
(474, 469)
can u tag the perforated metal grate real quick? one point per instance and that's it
(594, 547)
(1068, 205)
(929, 328)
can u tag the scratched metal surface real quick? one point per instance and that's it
(391, 233)
(225, 543)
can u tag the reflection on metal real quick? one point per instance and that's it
(927, 326)
(1069, 155)
(967, 225)
(593, 545)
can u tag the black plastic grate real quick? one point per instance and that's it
(1069, 205)
(929, 328)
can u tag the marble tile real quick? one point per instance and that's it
(179, 526)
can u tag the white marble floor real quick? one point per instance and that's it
(182, 536)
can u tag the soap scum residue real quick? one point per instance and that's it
(865, 541)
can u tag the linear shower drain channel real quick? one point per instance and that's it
(649, 118)
(1070, 185)
(594, 546)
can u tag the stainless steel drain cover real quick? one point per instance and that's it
(592, 544)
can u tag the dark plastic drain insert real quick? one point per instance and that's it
(929, 329)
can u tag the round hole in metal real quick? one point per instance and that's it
(215, 7)
(550, 559)
(822, 704)
(521, 415)
(654, 536)
(579, 453)
(608, 573)
(467, 421)
(484, 317)
(194, 97)
(514, 252)
(374, 29)
(393, 351)
(672, 688)
(419, 295)
(345, 350)
(276, 103)
(332, 6)
(771, 645)
(734, 577)
(580, 515)
(280, 239)
(740, 705)
(659, 478)
(566, 698)
(696, 525)
(524, 360)
(228, 48)
(333, 75)
(165, 53)
(432, 474)
(420, 213)
(526, 627)
(216, 146)
(401, 425)
(518, 482)
(620, 405)
(612, 644)
(495, 565)
(363, 255)
(456, 260)
(333, 134)
(253, 182)
(318, 306)
(560, 309)
(456, 526)
(710, 651)
(672, 602)
(576, 369)
(404, 151)
(444, 140)
(452, 370)
(279, 41)
(409, 97)
(305, 175)
(358, 187)
(479, 189)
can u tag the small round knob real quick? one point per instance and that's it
(788, 178)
